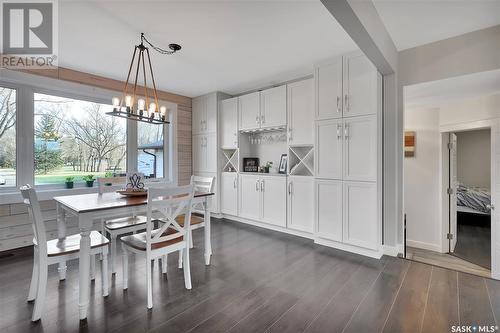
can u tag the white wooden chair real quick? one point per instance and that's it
(201, 184)
(116, 227)
(169, 237)
(55, 251)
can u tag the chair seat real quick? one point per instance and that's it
(71, 244)
(138, 241)
(195, 219)
(125, 222)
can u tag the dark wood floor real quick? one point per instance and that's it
(260, 281)
(474, 239)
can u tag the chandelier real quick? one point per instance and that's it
(136, 104)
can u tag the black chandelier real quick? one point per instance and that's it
(142, 109)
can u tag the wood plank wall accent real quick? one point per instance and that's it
(15, 227)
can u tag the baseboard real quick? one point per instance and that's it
(350, 248)
(392, 251)
(423, 245)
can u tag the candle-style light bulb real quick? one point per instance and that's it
(116, 101)
(152, 107)
(128, 101)
(163, 112)
(140, 104)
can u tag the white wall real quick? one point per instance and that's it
(474, 158)
(421, 177)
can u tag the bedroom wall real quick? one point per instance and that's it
(474, 158)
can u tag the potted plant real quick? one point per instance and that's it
(89, 179)
(69, 182)
(268, 166)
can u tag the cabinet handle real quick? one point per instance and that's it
(263, 119)
(346, 102)
(290, 136)
(262, 185)
(290, 188)
(346, 131)
(257, 185)
(234, 183)
(339, 128)
(257, 119)
(338, 104)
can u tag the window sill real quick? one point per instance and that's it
(44, 193)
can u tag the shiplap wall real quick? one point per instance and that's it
(15, 227)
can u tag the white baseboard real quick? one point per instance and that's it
(423, 245)
(350, 248)
(393, 251)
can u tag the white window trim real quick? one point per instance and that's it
(26, 86)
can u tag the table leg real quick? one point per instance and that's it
(61, 233)
(208, 242)
(84, 283)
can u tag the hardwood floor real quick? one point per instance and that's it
(259, 281)
(474, 241)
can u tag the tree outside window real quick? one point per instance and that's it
(7, 137)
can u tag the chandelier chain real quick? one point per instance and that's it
(156, 48)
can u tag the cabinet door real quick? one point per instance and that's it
(249, 111)
(229, 123)
(360, 148)
(328, 79)
(274, 200)
(199, 153)
(198, 117)
(328, 154)
(301, 112)
(250, 197)
(211, 113)
(328, 195)
(301, 204)
(273, 107)
(211, 152)
(229, 193)
(360, 86)
(360, 215)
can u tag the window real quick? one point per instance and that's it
(150, 157)
(75, 138)
(7, 137)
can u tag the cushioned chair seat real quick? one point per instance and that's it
(125, 222)
(71, 244)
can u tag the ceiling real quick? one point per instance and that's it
(412, 23)
(436, 93)
(229, 46)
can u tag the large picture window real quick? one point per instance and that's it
(150, 155)
(7, 137)
(75, 138)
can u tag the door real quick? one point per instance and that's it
(199, 153)
(360, 86)
(229, 193)
(360, 148)
(360, 227)
(301, 112)
(229, 123)
(273, 200)
(452, 185)
(198, 117)
(328, 154)
(210, 114)
(328, 79)
(300, 203)
(250, 197)
(273, 107)
(495, 191)
(328, 194)
(210, 152)
(249, 111)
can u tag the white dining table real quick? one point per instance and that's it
(88, 208)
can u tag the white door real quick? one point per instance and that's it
(328, 154)
(495, 204)
(273, 200)
(229, 193)
(211, 152)
(199, 115)
(210, 120)
(453, 182)
(360, 227)
(249, 111)
(229, 123)
(273, 107)
(360, 148)
(301, 203)
(199, 153)
(328, 79)
(328, 195)
(250, 197)
(360, 86)
(301, 112)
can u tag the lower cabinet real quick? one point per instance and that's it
(250, 197)
(300, 203)
(229, 193)
(328, 194)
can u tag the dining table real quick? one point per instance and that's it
(88, 208)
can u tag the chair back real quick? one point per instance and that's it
(203, 184)
(168, 203)
(106, 184)
(35, 213)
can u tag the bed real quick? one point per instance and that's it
(473, 205)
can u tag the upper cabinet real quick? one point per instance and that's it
(204, 110)
(329, 98)
(229, 123)
(273, 107)
(249, 111)
(301, 112)
(360, 86)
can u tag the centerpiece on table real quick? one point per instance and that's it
(134, 185)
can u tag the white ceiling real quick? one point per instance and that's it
(229, 46)
(436, 93)
(412, 23)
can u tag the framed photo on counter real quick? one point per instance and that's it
(283, 163)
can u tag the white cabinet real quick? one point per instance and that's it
(328, 194)
(229, 193)
(205, 152)
(229, 123)
(328, 80)
(360, 215)
(273, 107)
(360, 86)
(273, 208)
(360, 148)
(249, 111)
(300, 203)
(204, 114)
(250, 197)
(198, 152)
(300, 112)
(198, 111)
(329, 146)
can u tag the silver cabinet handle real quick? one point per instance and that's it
(339, 129)
(257, 119)
(338, 105)
(346, 102)
(290, 136)
(346, 131)
(263, 119)
(235, 183)
(257, 185)
(290, 188)
(262, 185)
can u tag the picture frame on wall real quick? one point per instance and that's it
(410, 141)
(283, 163)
